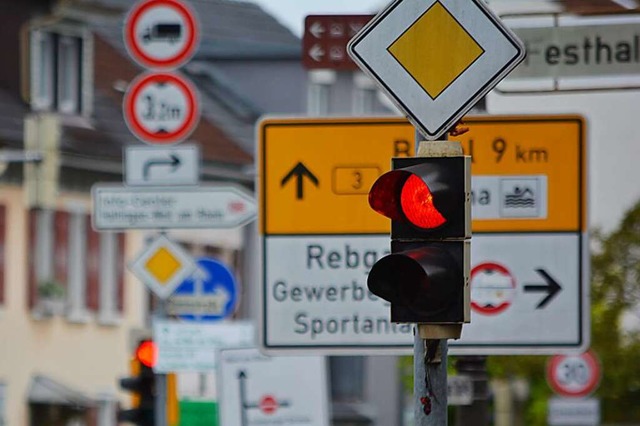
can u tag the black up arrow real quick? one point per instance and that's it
(299, 171)
(173, 161)
(242, 378)
(551, 288)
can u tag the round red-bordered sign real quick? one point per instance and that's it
(574, 375)
(162, 34)
(161, 108)
(492, 287)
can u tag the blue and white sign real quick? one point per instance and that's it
(209, 294)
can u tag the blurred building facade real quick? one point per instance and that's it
(70, 312)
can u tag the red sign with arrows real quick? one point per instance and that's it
(324, 44)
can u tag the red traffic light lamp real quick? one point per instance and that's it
(426, 276)
(141, 385)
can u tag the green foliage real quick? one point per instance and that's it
(615, 289)
(50, 289)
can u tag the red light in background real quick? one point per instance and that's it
(147, 353)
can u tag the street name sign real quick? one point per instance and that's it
(436, 58)
(147, 165)
(258, 390)
(324, 43)
(161, 34)
(161, 108)
(188, 346)
(568, 52)
(162, 266)
(119, 207)
(528, 256)
(573, 412)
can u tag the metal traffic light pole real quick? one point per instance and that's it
(430, 355)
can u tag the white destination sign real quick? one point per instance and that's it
(257, 390)
(186, 346)
(573, 412)
(119, 207)
(146, 165)
(317, 296)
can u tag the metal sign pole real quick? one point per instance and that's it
(429, 371)
(161, 378)
(430, 382)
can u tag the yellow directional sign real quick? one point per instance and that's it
(315, 174)
(436, 58)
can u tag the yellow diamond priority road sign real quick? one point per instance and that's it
(436, 58)
(162, 266)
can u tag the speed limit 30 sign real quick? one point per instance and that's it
(574, 375)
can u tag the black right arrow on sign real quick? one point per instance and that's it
(551, 288)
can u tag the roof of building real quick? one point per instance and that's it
(229, 29)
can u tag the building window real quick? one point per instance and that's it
(347, 378)
(319, 92)
(61, 70)
(88, 266)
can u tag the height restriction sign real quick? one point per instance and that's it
(161, 108)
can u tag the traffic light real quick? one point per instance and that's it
(426, 276)
(142, 386)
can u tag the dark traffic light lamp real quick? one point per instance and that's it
(141, 384)
(426, 276)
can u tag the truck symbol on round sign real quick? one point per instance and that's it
(493, 288)
(161, 108)
(168, 31)
(161, 33)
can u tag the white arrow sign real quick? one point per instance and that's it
(120, 207)
(316, 29)
(146, 165)
(316, 52)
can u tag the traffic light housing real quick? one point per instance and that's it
(142, 386)
(426, 276)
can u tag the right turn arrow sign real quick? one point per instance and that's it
(551, 288)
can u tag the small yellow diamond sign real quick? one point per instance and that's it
(163, 265)
(435, 50)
